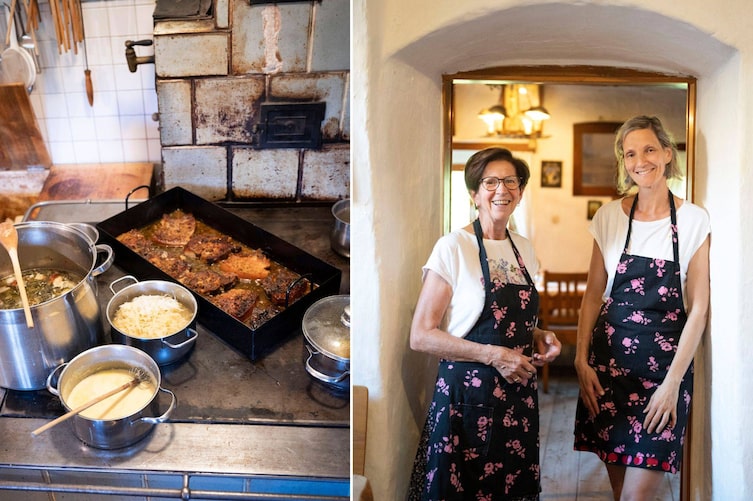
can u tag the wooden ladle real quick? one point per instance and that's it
(9, 239)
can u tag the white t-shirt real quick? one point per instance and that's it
(455, 258)
(648, 238)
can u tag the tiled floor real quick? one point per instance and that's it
(569, 475)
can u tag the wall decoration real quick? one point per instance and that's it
(551, 174)
(594, 165)
(593, 206)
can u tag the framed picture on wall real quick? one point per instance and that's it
(593, 206)
(551, 174)
(594, 165)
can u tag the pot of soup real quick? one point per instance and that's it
(326, 329)
(121, 419)
(156, 316)
(59, 264)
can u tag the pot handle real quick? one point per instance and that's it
(106, 249)
(164, 417)
(320, 375)
(121, 279)
(53, 389)
(191, 339)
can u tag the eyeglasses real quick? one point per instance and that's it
(491, 183)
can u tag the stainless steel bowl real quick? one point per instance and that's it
(340, 234)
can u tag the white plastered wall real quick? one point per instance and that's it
(401, 48)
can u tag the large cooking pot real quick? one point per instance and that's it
(340, 234)
(111, 433)
(171, 346)
(65, 325)
(326, 328)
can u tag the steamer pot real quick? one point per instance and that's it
(63, 326)
(110, 433)
(340, 234)
(166, 349)
(326, 328)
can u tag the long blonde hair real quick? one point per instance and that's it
(671, 170)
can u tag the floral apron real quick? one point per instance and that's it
(481, 439)
(633, 344)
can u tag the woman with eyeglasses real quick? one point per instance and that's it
(642, 317)
(477, 312)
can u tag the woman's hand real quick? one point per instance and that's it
(547, 347)
(511, 364)
(662, 408)
(590, 387)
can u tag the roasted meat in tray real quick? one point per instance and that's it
(252, 287)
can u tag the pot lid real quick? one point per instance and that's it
(326, 325)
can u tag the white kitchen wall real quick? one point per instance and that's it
(119, 127)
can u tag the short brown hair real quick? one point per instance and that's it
(474, 167)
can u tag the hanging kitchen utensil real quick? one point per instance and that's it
(87, 71)
(17, 63)
(9, 240)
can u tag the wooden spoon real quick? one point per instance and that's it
(9, 239)
(139, 376)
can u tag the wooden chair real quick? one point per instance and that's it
(559, 309)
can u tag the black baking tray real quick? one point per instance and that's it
(254, 343)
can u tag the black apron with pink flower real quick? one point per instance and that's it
(633, 344)
(481, 438)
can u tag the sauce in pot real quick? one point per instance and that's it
(123, 404)
(41, 286)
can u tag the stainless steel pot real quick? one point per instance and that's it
(326, 328)
(63, 326)
(165, 349)
(340, 234)
(110, 433)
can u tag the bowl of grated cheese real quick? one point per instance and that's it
(156, 316)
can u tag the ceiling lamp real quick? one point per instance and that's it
(493, 117)
(537, 113)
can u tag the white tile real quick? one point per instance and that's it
(132, 128)
(50, 81)
(108, 128)
(99, 51)
(155, 151)
(149, 97)
(198, 169)
(331, 50)
(59, 129)
(96, 19)
(111, 151)
(200, 54)
(83, 129)
(62, 153)
(175, 112)
(135, 151)
(265, 173)
(152, 128)
(103, 79)
(326, 173)
(123, 20)
(78, 105)
(105, 103)
(131, 102)
(224, 108)
(144, 20)
(55, 106)
(293, 40)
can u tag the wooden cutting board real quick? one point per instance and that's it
(111, 181)
(21, 142)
